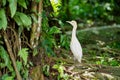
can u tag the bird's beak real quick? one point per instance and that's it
(68, 21)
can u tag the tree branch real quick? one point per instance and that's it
(11, 55)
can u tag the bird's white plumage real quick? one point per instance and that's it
(75, 46)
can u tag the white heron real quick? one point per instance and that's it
(75, 46)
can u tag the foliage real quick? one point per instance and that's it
(18, 15)
(56, 6)
(109, 61)
(23, 53)
(22, 19)
(64, 41)
(3, 19)
(46, 70)
(23, 67)
(7, 77)
(22, 3)
(94, 10)
(115, 45)
(5, 57)
(6, 62)
(12, 14)
(60, 68)
(12, 6)
(104, 58)
(48, 38)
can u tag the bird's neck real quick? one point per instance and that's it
(74, 32)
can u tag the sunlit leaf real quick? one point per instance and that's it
(3, 19)
(22, 3)
(5, 57)
(56, 66)
(25, 19)
(7, 77)
(13, 7)
(53, 30)
(18, 20)
(22, 19)
(60, 69)
(46, 70)
(23, 53)
(35, 52)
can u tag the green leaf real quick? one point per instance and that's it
(64, 42)
(20, 24)
(13, 7)
(5, 57)
(22, 19)
(35, 52)
(25, 19)
(3, 19)
(25, 73)
(3, 2)
(23, 53)
(56, 66)
(7, 77)
(18, 20)
(46, 70)
(54, 30)
(49, 51)
(60, 69)
(2, 65)
(19, 65)
(22, 3)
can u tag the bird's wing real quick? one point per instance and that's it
(76, 47)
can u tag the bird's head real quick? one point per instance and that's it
(73, 23)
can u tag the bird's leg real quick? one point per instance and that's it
(74, 59)
(77, 63)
